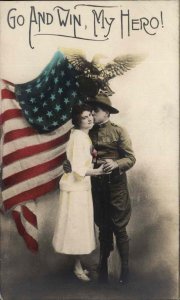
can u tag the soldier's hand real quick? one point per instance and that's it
(67, 166)
(109, 165)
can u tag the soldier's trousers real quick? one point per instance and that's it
(112, 209)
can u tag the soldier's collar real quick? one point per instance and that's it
(106, 123)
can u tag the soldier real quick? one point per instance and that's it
(112, 207)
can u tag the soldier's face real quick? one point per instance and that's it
(99, 115)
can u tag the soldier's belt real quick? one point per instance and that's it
(102, 161)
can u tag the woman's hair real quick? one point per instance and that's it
(77, 111)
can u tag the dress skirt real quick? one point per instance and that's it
(74, 230)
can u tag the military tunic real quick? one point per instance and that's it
(112, 207)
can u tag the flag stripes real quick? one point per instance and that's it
(18, 133)
(33, 193)
(29, 215)
(31, 242)
(32, 164)
(32, 172)
(33, 150)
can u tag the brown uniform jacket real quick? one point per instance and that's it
(112, 141)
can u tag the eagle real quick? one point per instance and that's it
(93, 77)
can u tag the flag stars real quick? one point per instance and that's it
(44, 103)
(58, 107)
(35, 109)
(52, 97)
(40, 119)
(42, 95)
(18, 92)
(38, 85)
(66, 100)
(74, 94)
(62, 73)
(55, 123)
(77, 83)
(26, 112)
(53, 72)
(68, 83)
(30, 120)
(28, 90)
(56, 80)
(49, 114)
(46, 79)
(32, 100)
(64, 117)
(60, 90)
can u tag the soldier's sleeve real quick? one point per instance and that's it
(125, 149)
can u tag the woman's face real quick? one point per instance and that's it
(86, 120)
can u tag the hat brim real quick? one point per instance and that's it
(111, 109)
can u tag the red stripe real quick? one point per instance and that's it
(10, 114)
(6, 81)
(29, 215)
(7, 94)
(33, 171)
(35, 149)
(31, 194)
(29, 240)
(19, 133)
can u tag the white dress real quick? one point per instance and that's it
(74, 231)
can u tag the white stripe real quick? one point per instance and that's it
(31, 183)
(10, 104)
(6, 85)
(35, 160)
(17, 208)
(20, 124)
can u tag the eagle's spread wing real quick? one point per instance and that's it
(79, 62)
(82, 65)
(120, 65)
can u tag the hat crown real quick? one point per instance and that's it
(103, 101)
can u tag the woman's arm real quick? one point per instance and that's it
(96, 172)
(91, 172)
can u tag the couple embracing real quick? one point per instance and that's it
(95, 189)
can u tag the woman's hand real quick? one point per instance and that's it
(100, 171)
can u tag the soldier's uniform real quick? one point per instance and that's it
(112, 207)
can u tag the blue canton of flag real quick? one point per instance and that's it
(47, 100)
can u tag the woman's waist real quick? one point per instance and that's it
(70, 182)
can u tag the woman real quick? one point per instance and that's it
(74, 233)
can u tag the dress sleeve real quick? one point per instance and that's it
(80, 156)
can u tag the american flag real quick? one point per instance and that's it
(33, 142)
